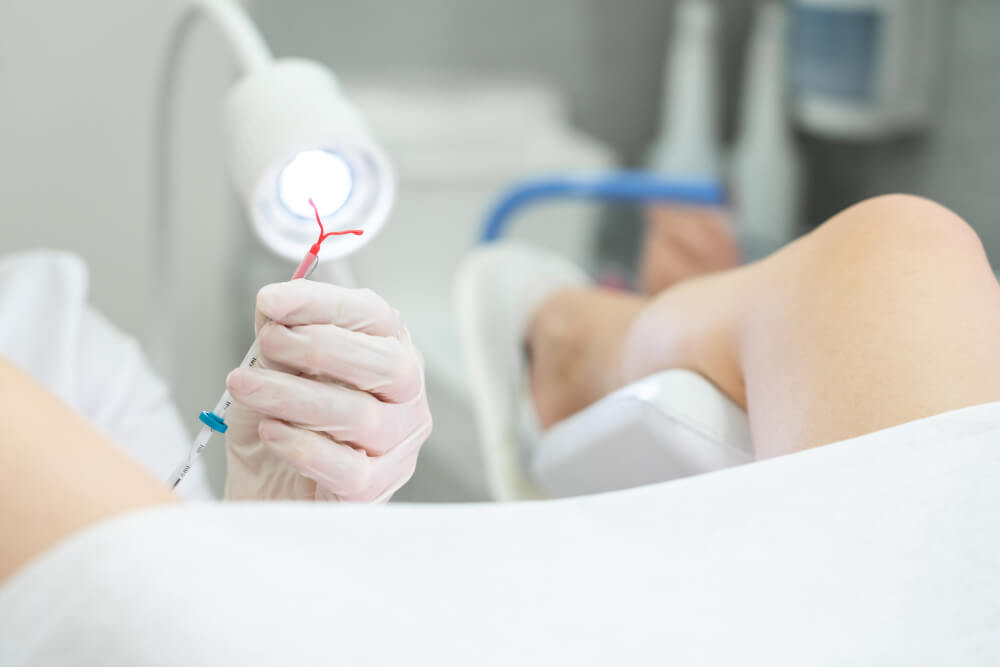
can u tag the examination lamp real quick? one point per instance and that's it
(292, 135)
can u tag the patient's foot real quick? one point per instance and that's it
(574, 343)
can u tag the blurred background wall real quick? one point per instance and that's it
(76, 101)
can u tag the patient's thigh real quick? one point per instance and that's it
(57, 473)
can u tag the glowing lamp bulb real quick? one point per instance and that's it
(319, 174)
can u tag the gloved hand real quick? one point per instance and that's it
(336, 409)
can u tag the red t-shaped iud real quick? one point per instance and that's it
(313, 255)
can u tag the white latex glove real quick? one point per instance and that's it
(336, 409)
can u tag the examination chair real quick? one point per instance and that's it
(669, 425)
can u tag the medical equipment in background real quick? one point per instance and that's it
(867, 69)
(292, 135)
(687, 143)
(765, 164)
(764, 168)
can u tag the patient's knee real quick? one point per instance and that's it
(902, 228)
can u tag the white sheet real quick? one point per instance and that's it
(882, 551)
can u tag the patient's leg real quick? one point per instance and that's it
(57, 474)
(887, 313)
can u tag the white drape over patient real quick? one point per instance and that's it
(876, 551)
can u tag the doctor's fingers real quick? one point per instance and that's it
(345, 472)
(300, 302)
(389, 367)
(345, 414)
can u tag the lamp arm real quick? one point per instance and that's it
(252, 53)
(233, 21)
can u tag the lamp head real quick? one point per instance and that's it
(293, 135)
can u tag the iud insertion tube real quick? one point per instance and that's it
(215, 421)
